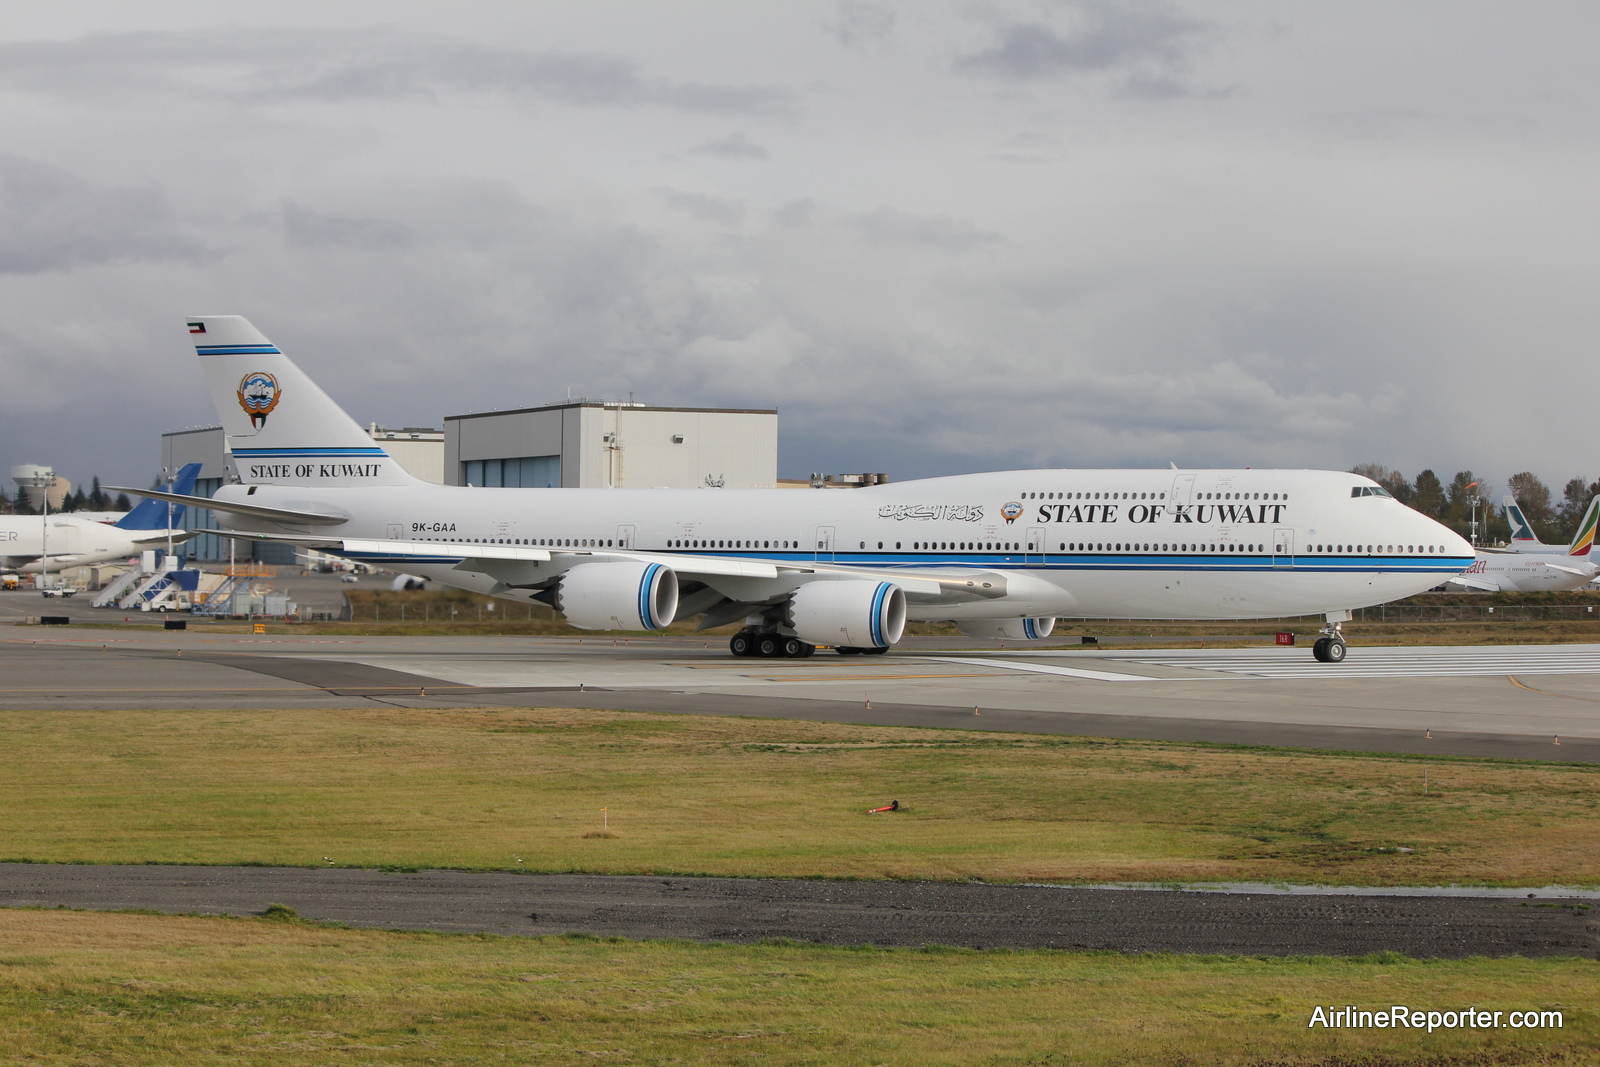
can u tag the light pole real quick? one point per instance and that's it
(43, 479)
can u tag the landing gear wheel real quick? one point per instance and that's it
(1328, 650)
(742, 643)
(794, 648)
(848, 650)
(882, 650)
(769, 646)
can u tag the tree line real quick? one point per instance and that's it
(1555, 521)
(96, 499)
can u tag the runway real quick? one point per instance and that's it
(1526, 702)
(837, 913)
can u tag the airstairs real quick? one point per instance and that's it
(113, 593)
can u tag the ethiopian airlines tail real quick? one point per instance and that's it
(281, 428)
(1583, 540)
(159, 514)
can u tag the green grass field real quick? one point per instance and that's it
(524, 788)
(121, 989)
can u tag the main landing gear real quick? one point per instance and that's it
(850, 650)
(1330, 648)
(769, 645)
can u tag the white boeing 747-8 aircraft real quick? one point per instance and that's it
(1001, 554)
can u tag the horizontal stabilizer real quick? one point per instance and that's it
(164, 537)
(1563, 568)
(254, 511)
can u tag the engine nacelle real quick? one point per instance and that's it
(1010, 629)
(618, 596)
(854, 614)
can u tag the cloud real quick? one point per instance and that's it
(936, 231)
(1102, 36)
(707, 208)
(51, 220)
(302, 226)
(736, 146)
(859, 22)
(336, 66)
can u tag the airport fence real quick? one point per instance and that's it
(1477, 613)
(1417, 613)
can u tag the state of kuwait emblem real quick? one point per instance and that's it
(258, 395)
(1011, 512)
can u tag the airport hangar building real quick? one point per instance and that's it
(583, 444)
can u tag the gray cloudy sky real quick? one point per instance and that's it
(938, 237)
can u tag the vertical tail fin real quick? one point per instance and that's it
(281, 428)
(1583, 540)
(1522, 535)
(152, 514)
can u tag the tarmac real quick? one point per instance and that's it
(835, 913)
(1510, 702)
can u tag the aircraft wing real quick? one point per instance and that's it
(1474, 583)
(920, 585)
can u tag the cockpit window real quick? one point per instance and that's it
(1369, 490)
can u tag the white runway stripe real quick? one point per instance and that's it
(1045, 668)
(1388, 662)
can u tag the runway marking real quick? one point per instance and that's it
(1386, 663)
(860, 677)
(1546, 692)
(1044, 668)
(251, 689)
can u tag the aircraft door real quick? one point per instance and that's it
(1282, 549)
(625, 537)
(1182, 489)
(394, 531)
(824, 542)
(1035, 544)
(63, 539)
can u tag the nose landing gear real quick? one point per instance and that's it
(1330, 647)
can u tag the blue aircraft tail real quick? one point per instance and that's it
(152, 514)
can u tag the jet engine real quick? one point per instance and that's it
(1010, 629)
(618, 596)
(859, 614)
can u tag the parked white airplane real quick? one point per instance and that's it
(75, 539)
(1002, 554)
(1530, 565)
